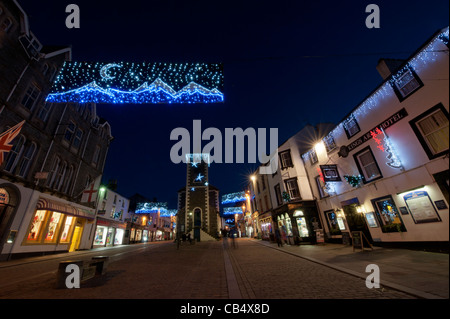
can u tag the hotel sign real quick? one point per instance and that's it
(345, 150)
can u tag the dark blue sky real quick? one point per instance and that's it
(287, 63)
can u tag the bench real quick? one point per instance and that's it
(88, 269)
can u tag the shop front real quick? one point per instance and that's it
(57, 224)
(255, 224)
(108, 233)
(297, 222)
(266, 226)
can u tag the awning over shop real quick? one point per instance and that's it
(48, 204)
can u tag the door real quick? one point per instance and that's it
(302, 227)
(75, 239)
(197, 223)
(356, 221)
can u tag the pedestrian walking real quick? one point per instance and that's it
(278, 237)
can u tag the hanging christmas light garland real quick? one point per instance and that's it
(138, 83)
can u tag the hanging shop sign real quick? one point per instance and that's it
(330, 173)
(345, 150)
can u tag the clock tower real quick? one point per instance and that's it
(199, 214)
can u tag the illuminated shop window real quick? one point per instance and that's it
(53, 227)
(67, 229)
(36, 225)
(388, 215)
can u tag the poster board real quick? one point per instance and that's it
(320, 239)
(346, 238)
(421, 207)
(359, 240)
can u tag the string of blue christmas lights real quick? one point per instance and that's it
(125, 82)
(232, 210)
(233, 198)
(425, 56)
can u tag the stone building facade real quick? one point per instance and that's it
(60, 150)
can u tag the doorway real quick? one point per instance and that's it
(197, 223)
(356, 221)
(75, 239)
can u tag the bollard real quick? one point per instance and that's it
(101, 262)
(62, 275)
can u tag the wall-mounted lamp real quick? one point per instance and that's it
(320, 147)
(339, 213)
(360, 209)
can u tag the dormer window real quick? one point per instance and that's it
(405, 83)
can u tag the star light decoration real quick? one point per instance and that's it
(429, 54)
(199, 178)
(138, 83)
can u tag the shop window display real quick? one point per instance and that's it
(36, 225)
(110, 236)
(388, 214)
(53, 227)
(118, 239)
(100, 235)
(67, 229)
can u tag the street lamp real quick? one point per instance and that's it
(253, 178)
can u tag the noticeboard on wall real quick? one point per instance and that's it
(421, 207)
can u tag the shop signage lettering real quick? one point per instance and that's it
(343, 152)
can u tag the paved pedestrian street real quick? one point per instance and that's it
(268, 273)
(205, 270)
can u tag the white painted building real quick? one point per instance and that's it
(111, 219)
(384, 169)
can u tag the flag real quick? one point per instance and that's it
(91, 192)
(6, 138)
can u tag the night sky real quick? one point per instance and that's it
(286, 64)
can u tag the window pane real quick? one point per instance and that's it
(369, 165)
(36, 224)
(53, 226)
(13, 154)
(66, 230)
(26, 160)
(407, 83)
(435, 131)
